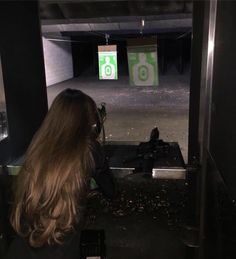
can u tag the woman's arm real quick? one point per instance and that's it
(102, 174)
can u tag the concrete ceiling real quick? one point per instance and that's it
(73, 17)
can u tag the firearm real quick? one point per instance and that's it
(102, 117)
(148, 152)
(155, 147)
(102, 112)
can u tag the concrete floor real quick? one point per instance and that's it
(133, 111)
(144, 221)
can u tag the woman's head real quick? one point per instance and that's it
(72, 113)
(53, 180)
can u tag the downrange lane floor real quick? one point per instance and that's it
(145, 220)
(132, 111)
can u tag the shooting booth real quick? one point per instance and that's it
(150, 173)
(169, 204)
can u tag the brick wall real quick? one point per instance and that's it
(58, 61)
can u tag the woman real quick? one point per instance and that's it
(53, 183)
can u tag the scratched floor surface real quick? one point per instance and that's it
(133, 111)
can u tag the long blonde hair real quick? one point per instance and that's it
(52, 183)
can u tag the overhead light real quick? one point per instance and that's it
(210, 46)
(107, 36)
(143, 22)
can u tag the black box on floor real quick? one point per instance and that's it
(92, 244)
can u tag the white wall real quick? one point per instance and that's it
(2, 95)
(58, 61)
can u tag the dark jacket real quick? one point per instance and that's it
(20, 249)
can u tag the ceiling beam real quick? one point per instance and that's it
(76, 10)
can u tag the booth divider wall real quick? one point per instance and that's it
(23, 74)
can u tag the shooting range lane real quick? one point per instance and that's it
(133, 111)
(145, 220)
